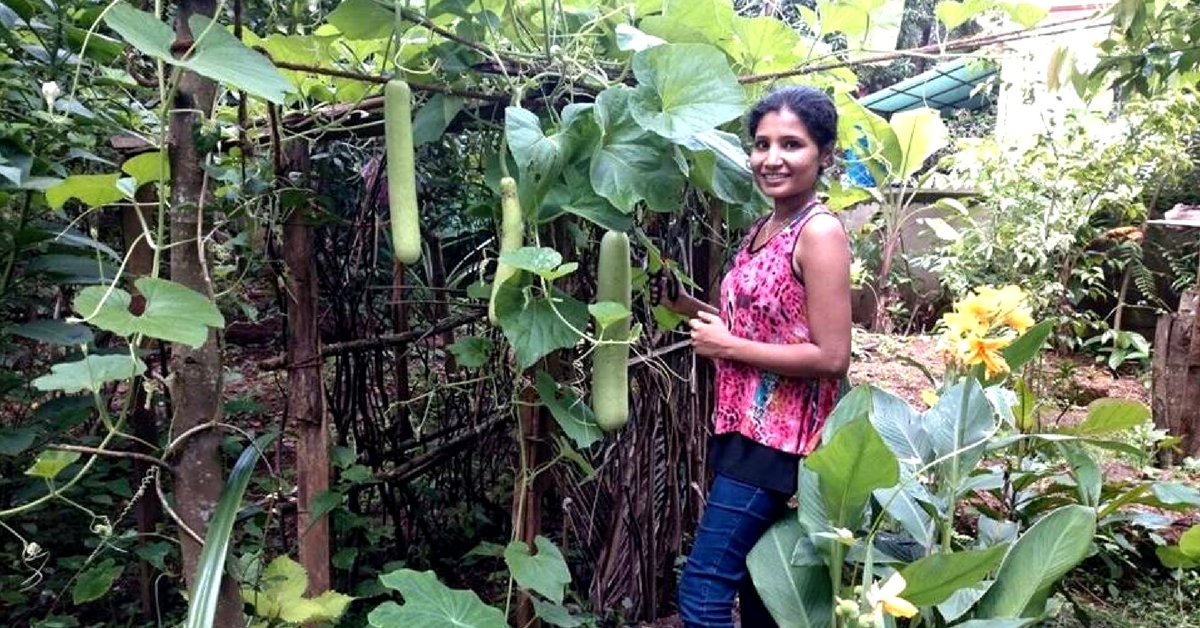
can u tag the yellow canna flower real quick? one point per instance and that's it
(979, 306)
(985, 351)
(959, 324)
(1020, 319)
(886, 598)
(930, 397)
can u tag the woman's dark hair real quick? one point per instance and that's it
(813, 106)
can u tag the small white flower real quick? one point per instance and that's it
(886, 598)
(51, 92)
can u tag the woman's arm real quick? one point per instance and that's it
(823, 259)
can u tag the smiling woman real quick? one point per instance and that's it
(779, 370)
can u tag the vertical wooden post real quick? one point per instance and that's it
(142, 420)
(1176, 376)
(306, 389)
(527, 496)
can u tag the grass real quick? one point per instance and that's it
(1151, 600)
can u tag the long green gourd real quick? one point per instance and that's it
(401, 171)
(610, 362)
(512, 237)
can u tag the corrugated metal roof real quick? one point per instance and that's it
(950, 85)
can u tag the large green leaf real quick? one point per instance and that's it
(933, 579)
(954, 14)
(796, 596)
(855, 462)
(280, 595)
(52, 331)
(903, 503)
(90, 373)
(431, 604)
(172, 312)
(73, 269)
(539, 260)
(217, 54)
(900, 427)
(578, 198)
(998, 623)
(147, 167)
(962, 601)
(93, 582)
(574, 416)
(921, 133)
(539, 156)
(721, 166)
(1027, 14)
(15, 440)
(684, 89)
(543, 326)
(630, 164)
(435, 115)
(1108, 416)
(50, 463)
(692, 21)
(763, 44)
(1175, 494)
(867, 24)
(545, 572)
(870, 137)
(93, 190)
(1047, 551)
(959, 431)
(558, 615)
(1025, 348)
(210, 570)
(1183, 555)
(362, 19)
(1089, 478)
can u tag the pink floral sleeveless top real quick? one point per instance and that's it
(763, 300)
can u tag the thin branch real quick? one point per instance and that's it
(955, 45)
(109, 452)
(426, 461)
(386, 340)
(381, 79)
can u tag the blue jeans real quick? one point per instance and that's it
(737, 515)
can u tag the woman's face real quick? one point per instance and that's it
(785, 159)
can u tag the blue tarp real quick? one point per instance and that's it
(950, 85)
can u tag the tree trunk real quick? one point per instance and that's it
(306, 390)
(195, 373)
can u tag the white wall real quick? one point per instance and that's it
(1025, 104)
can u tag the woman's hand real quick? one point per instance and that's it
(710, 336)
(665, 291)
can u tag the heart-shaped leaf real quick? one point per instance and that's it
(431, 604)
(90, 373)
(684, 89)
(172, 312)
(545, 572)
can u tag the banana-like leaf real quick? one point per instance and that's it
(796, 596)
(855, 462)
(900, 427)
(202, 607)
(920, 133)
(1047, 551)
(933, 579)
(959, 427)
